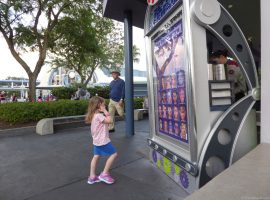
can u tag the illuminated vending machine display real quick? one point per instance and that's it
(197, 127)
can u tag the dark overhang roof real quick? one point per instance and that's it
(114, 9)
(245, 12)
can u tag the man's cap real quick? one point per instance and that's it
(116, 71)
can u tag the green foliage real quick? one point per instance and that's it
(29, 112)
(100, 91)
(63, 92)
(38, 26)
(138, 103)
(66, 92)
(34, 111)
(85, 41)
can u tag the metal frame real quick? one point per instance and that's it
(232, 120)
(204, 145)
(190, 154)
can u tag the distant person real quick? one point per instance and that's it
(39, 99)
(117, 95)
(100, 118)
(80, 94)
(87, 95)
(3, 97)
(14, 98)
(47, 98)
(72, 97)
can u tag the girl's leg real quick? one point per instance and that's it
(109, 163)
(93, 165)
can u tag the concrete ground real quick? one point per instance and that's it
(55, 167)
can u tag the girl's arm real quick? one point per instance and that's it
(107, 119)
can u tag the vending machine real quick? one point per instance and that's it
(197, 128)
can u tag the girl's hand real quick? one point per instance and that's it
(103, 108)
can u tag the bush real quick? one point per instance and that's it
(138, 103)
(29, 112)
(100, 91)
(34, 111)
(64, 92)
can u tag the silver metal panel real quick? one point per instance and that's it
(229, 33)
(161, 140)
(197, 53)
(221, 151)
(247, 138)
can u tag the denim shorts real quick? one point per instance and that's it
(104, 150)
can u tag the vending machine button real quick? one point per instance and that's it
(175, 158)
(164, 152)
(256, 94)
(187, 167)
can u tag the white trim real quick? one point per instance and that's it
(265, 71)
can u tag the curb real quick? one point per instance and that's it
(57, 127)
(17, 131)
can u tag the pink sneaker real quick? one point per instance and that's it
(93, 180)
(106, 178)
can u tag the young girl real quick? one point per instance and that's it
(100, 118)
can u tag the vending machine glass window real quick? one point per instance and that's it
(170, 81)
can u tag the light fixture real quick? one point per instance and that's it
(71, 74)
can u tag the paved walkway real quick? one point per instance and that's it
(55, 167)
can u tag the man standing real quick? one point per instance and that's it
(117, 95)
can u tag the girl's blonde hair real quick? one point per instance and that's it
(94, 105)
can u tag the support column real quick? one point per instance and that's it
(128, 74)
(265, 71)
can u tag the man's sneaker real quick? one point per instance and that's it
(106, 178)
(93, 180)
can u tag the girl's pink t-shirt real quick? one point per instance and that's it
(99, 130)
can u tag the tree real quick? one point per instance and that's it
(88, 41)
(28, 25)
(77, 41)
(136, 54)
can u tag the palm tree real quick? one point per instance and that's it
(136, 54)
